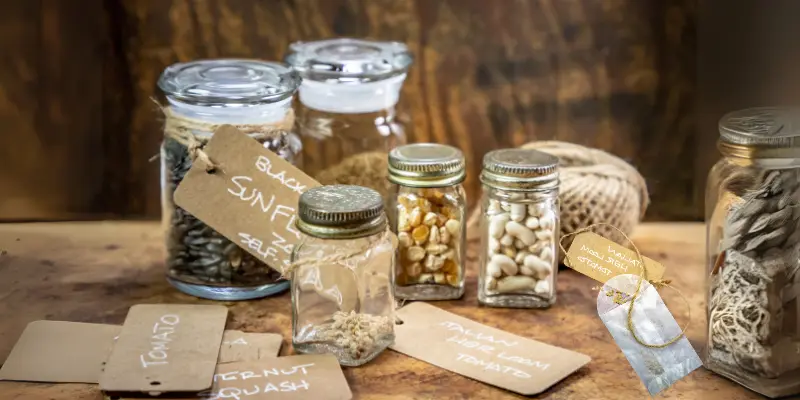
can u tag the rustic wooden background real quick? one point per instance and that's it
(76, 78)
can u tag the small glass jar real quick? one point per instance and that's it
(427, 209)
(203, 95)
(347, 114)
(753, 252)
(519, 229)
(342, 300)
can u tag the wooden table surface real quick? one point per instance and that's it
(93, 272)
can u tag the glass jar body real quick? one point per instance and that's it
(350, 148)
(431, 242)
(200, 261)
(519, 236)
(345, 307)
(752, 280)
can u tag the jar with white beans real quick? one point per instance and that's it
(428, 206)
(519, 229)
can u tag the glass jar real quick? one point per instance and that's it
(342, 300)
(753, 252)
(519, 229)
(347, 115)
(428, 205)
(256, 97)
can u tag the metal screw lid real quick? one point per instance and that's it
(341, 212)
(519, 169)
(426, 165)
(349, 60)
(229, 82)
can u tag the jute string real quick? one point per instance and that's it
(181, 128)
(335, 257)
(642, 277)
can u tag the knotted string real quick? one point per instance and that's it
(642, 276)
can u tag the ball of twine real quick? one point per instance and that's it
(595, 187)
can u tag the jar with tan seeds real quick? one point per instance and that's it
(519, 229)
(428, 204)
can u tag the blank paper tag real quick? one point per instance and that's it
(244, 346)
(166, 347)
(479, 352)
(57, 351)
(251, 198)
(602, 259)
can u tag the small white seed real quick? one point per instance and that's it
(526, 271)
(433, 263)
(547, 254)
(493, 269)
(515, 283)
(494, 207)
(444, 234)
(519, 231)
(510, 251)
(497, 225)
(532, 222)
(414, 270)
(430, 219)
(453, 225)
(547, 221)
(433, 237)
(404, 239)
(505, 263)
(534, 210)
(542, 287)
(518, 212)
(536, 247)
(545, 235)
(415, 253)
(426, 278)
(520, 258)
(507, 240)
(519, 244)
(403, 224)
(537, 265)
(493, 245)
(415, 217)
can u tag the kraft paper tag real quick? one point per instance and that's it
(250, 199)
(602, 259)
(166, 348)
(303, 377)
(245, 346)
(480, 352)
(58, 351)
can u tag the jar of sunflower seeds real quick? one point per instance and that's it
(342, 300)
(254, 96)
(519, 229)
(753, 253)
(428, 205)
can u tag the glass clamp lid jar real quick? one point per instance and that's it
(753, 252)
(428, 205)
(254, 96)
(519, 229)
(342, 300)
(347, 113)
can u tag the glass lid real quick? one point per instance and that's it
(349, 60)
(228, 82)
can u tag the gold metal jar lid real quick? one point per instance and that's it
(763, 132)
(519, 169)
(341, 212)
(426, 165)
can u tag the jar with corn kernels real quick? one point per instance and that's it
(429, 205)
(519, 229)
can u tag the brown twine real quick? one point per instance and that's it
(333, 258)
(181, 129)
(595, 187)
(643, 276)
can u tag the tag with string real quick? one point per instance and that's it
(631, 308)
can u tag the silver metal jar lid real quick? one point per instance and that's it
(760, 132)
(519, 169)
(229, 82)
(349, 60)
(341, 212)
(426, 165)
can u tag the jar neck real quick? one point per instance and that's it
(354, 98)
(519, 195)
(269, 113)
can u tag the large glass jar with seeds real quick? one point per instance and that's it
(348, 116)
(342, 300)
(428, 205)
(753, 253)
(254, 96)
(519, 229)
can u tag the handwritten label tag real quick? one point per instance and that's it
(58, 351)
(602, 259)
(250, 199)
(480, 352)
(245, 346)
(166, 348)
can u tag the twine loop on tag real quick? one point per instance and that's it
(620, 299)
(182, 129)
